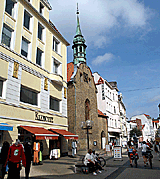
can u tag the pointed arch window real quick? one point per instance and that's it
(80, 48)
(87, 109)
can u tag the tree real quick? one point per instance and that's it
(135, 131)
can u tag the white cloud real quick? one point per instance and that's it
(105, 58)
(98, 18)
(155, 98)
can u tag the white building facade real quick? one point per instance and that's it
(147, 126)
(108, 103)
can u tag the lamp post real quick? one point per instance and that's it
(87, 125)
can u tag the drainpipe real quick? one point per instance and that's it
(75, 105)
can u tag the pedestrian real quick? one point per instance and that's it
(28, 155)
(144, 152)
(89, 162)
(40, 153)
(14, 158)
(4, 154)
(73, 148)
(156, 149)
(130, 151)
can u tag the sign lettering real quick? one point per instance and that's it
(43, 118)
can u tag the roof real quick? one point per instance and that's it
(100, 113)
(70, 70)
(54, 27)
(156, 121)
(46, 2)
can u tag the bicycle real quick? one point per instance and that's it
(134, 157)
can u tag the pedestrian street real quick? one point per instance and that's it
(64, 168)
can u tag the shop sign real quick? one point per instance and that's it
(43, 118)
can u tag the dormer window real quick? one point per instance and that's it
(41, 8)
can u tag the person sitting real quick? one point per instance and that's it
(97, 162)
(89, 162)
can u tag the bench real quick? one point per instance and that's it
(83, 168)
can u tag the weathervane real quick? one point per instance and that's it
(77, 9)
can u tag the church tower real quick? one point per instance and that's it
(79, 46)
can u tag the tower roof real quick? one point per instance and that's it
(78, 38)
(79, 46)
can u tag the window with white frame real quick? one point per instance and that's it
(10, 7)
(57, 67)
(39, 57)
(28, 95)
(114, 109)
(6, 35)
(24, 48)
(56, 45)
(40, 31)
(54, 104)
(27, 18)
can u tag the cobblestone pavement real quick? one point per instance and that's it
(64, 168)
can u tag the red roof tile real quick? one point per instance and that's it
(156, 121)
(70, 70)
(101, 113)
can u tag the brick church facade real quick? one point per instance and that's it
(82, 100)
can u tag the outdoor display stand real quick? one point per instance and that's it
(117, 153)
(55, 153)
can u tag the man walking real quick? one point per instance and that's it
(15, 156)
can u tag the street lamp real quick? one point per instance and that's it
(87, 125)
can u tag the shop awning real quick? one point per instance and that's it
(6, 127)
(41, 133)
(65, 134)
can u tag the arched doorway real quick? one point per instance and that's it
(103, 140)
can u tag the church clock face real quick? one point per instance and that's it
(85, 76)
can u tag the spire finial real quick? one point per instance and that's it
(77, 9)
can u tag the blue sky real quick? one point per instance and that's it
(123, 45)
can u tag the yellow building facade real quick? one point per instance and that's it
(33, 73)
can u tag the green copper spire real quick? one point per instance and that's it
(78, 30)
(79, 47)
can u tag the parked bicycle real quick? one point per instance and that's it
(134, 157)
